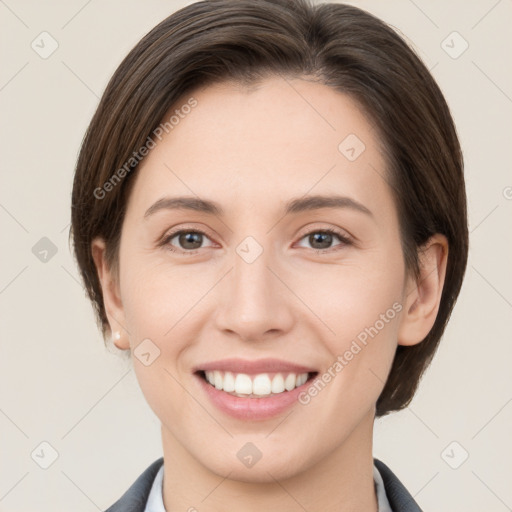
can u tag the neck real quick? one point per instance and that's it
(342, 479)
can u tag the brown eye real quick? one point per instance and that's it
(186, 240)
(322, 239)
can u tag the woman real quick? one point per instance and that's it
(269, 214)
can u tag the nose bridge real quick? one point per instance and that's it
(252, 288)
(255, 303)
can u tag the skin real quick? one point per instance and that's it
(251, 150)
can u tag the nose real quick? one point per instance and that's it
(256, 304)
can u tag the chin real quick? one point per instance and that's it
(269, 467)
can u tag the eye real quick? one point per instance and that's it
(188, 240)
(321, 239)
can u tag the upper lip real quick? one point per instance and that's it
(257, 366)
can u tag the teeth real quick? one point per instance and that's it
(217, 380)
(241, 384)
(261, 385)
(229, 382)
(289, 382)
(278, 384)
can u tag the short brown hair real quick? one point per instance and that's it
(343, 47)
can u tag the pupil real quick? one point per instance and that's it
(319, 236)
(190, 238)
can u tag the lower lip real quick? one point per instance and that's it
(252, 408)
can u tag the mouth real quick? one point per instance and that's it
(256, 386)
(253, 390)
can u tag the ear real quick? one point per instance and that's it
(423, 295)
(111, 296)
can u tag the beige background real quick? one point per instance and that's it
(58, 384)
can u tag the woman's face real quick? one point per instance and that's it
(259, 278)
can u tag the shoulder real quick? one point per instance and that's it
(135, 498)
(399, 497)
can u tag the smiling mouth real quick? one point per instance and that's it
(262, 385)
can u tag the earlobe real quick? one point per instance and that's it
(111, 295)
(120, 341)
(422, 296)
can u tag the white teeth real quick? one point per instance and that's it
(303, 377)
(217, 379)
(278, 384)
(261, 385)
(241, 384)
(229, 382)
(290, 381)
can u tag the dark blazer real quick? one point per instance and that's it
(135, 498)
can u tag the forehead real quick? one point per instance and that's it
(263, 144)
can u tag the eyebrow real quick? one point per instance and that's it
(298, 205)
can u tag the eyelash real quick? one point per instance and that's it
(166, 241)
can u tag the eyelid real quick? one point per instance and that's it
(342, 233)
(174, 230)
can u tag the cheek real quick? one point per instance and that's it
(365, 319)
(158, 342)
(155, 309)
(153, 297)
(351, 297)
(362, 305)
